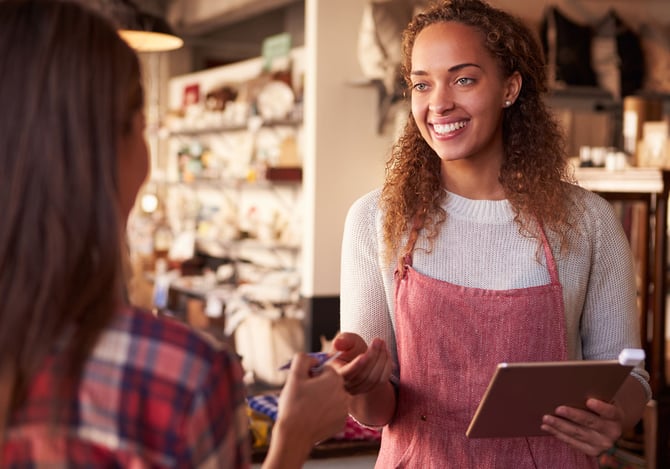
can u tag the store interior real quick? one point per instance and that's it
(273, 116)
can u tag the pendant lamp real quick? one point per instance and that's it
(144, 32)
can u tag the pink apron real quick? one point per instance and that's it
(449, 340)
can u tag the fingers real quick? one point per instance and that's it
(603, 409)
(362, 367)
(300, 366)
(327, 403)
(369, 369)
(334, 418)
(351, 345)
(586, 430)
(311, 408)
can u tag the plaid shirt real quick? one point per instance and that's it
(154, 393)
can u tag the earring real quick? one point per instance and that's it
(508, 103)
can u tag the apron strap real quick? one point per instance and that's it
(405, 260)
(549, 256)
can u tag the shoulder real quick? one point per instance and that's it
(367, 201)
(179, 391)
(585, 196)
(592, 209)
(366, 207)
(596, 223)
(363, 219)
(162, 349)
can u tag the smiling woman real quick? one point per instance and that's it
(478, 250)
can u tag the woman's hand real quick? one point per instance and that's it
(317, 405)
(363, 368)
(591, 431)
(597, 429)
(366, 372)
(311, 409)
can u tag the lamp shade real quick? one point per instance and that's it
(143, 31)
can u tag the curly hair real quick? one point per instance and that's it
(534, 166)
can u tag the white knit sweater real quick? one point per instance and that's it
(480, 246)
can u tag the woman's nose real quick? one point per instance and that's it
(440, 102)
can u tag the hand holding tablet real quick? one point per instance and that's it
(520, 394)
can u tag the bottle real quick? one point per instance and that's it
(161, 286)
(162, 238)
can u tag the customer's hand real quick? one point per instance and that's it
(311, 409)
(317, 405)
(362, 367)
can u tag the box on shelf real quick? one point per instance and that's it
(281, 173)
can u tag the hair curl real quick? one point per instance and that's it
(534, 159)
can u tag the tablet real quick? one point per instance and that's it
(520, 394)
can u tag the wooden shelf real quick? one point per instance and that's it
(218, 129)
(644, 180)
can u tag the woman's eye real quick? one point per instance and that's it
(419, 86)
(465, 81)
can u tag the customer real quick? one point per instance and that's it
(85, 379)
(478, 250)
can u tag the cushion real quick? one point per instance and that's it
(379, 39)
(655, 43)
(567, 45)
(617, 56)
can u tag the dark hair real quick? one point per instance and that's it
(68, 90)
(534, 162)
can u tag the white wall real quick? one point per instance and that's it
(345, 156)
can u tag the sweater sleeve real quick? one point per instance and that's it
(363, 294)
(610, 319)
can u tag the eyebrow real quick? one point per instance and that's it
(455, 68)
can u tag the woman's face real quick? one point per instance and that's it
(458, 94)
(133, 161)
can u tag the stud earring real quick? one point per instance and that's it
(508, 103)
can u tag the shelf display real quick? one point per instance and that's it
(228, 200)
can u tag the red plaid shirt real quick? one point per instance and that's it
(154, 394)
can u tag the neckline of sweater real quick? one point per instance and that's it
(483, 211)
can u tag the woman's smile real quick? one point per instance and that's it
(449, 129)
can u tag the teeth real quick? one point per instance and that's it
(446, 128)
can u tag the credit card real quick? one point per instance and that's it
(322, 357)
